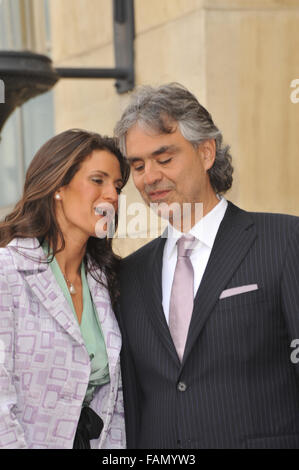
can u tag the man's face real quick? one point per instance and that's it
(166, 168)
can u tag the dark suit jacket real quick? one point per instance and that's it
(236, 386)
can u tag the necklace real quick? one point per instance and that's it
(71, 286)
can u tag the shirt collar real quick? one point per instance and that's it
(204, 231)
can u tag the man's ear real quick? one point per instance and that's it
(207, 150)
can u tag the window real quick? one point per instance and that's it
(24, 24)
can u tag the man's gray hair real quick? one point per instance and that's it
(160, 108)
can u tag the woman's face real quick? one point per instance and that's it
(97, 183)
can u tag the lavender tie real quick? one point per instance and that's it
(182, 294)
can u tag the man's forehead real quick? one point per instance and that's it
(163, 124)
(150, 142)
(142, 128)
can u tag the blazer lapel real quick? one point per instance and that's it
(234, 238)
(44, 286)
(151, 282)
(107, 320)
(30, 259)
(112, 338)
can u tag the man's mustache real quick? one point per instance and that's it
(152, 188)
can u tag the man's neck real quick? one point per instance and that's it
(194, 213)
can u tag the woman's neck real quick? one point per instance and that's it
(70, 258)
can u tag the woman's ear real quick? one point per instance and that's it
(58, 195)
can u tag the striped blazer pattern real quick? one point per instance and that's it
(237, 386)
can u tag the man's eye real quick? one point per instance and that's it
(138, 168)
(163, 162)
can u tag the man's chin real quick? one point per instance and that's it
(167, 210)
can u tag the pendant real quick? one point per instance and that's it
(72, 289)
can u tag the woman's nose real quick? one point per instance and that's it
(110, 193)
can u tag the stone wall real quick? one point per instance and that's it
(238, 56)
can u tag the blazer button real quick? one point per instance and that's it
(182, 387)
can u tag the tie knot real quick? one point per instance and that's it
(185, 245)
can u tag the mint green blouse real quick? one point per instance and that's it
(90, 329)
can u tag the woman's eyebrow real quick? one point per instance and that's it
(118, 180)
(100, 171)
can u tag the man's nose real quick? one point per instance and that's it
(152, 175)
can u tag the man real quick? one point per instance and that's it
(208, 366)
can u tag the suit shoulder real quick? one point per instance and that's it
(276, 227)
(275, 220)
(281, 227)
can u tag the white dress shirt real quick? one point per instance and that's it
(205, 232)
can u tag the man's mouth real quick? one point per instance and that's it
(156, 195)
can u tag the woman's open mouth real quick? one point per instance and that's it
(105, 210)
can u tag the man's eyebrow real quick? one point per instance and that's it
(133, 159)
(155, 153)
(164, 149)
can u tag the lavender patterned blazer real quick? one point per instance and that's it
(44, 365)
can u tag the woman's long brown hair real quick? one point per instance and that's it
(53, 166)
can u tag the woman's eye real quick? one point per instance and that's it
(97, 180)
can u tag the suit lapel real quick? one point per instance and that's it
(151, 282)
(234, 238)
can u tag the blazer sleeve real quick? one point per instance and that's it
(131, 391)
(117, 421)
(290, 292)
(11, 432)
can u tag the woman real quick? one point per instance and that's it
(59, 361)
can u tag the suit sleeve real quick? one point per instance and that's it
(11, 432)
(290, 294)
